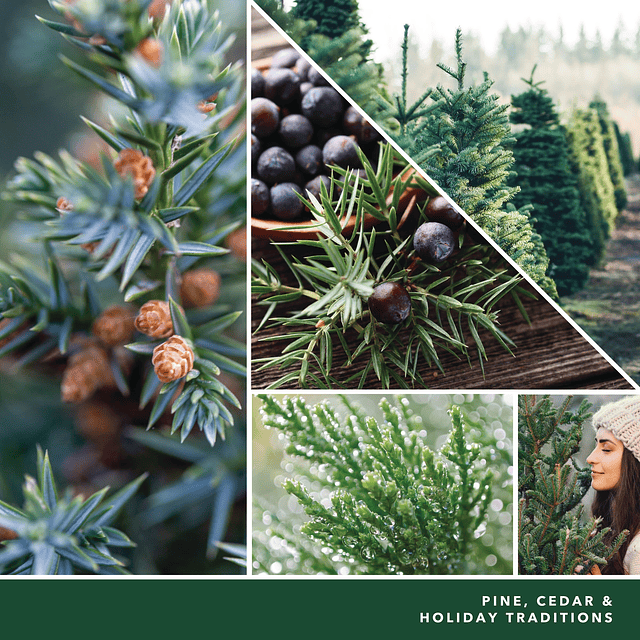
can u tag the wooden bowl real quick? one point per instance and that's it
(305, 229)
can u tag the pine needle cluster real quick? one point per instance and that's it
(552, 539)
(61, 534)
(378, 500)
(147, 216)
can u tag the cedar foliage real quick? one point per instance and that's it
(552, 540)
(378, 499)
(545, 179)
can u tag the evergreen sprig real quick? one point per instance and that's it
(378, 499)
(451, 302)
(57, 534)
(200, 397)
(179, 115)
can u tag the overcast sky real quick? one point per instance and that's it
(428, 20)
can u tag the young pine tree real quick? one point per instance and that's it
(332, 17)
(552, 540)
(588, 161)
(376, 498)
(332, 34)
(541, 156)
(462, 142)
(626, 151)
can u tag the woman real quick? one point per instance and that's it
(615, 476)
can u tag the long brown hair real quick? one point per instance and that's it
(619, 509)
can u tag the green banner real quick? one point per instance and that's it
(316, 607)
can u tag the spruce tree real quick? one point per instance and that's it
(552, 539)
(588, 161)
(613, 152)
(462, 144)
(335, 38)
(541, 156)
(626, 151)
(332, 17)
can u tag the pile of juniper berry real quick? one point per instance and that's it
(300, 126)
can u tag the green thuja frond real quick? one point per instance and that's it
(377, 498)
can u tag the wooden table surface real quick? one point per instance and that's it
(550, 353)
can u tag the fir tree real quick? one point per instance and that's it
(588, 161)
(541, 156)
(332, 17)
(335, 38)
(626, 151)
(552, 540)
(462, 144)
(613, 152)
(378, 500)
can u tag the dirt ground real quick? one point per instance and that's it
(608, 308)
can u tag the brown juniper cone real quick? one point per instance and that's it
(154, 319)
(63, 205)
(237, 242)
(206, 106)
(87, 371)
(172, 359)
(115, 325)
(199, 288)
(90, 247)
(134, 163)
(96, 421)
(151, 50)
(7, 534)
(157, 8)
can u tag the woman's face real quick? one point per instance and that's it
(606, 461)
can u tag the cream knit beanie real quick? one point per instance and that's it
(622, 418)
